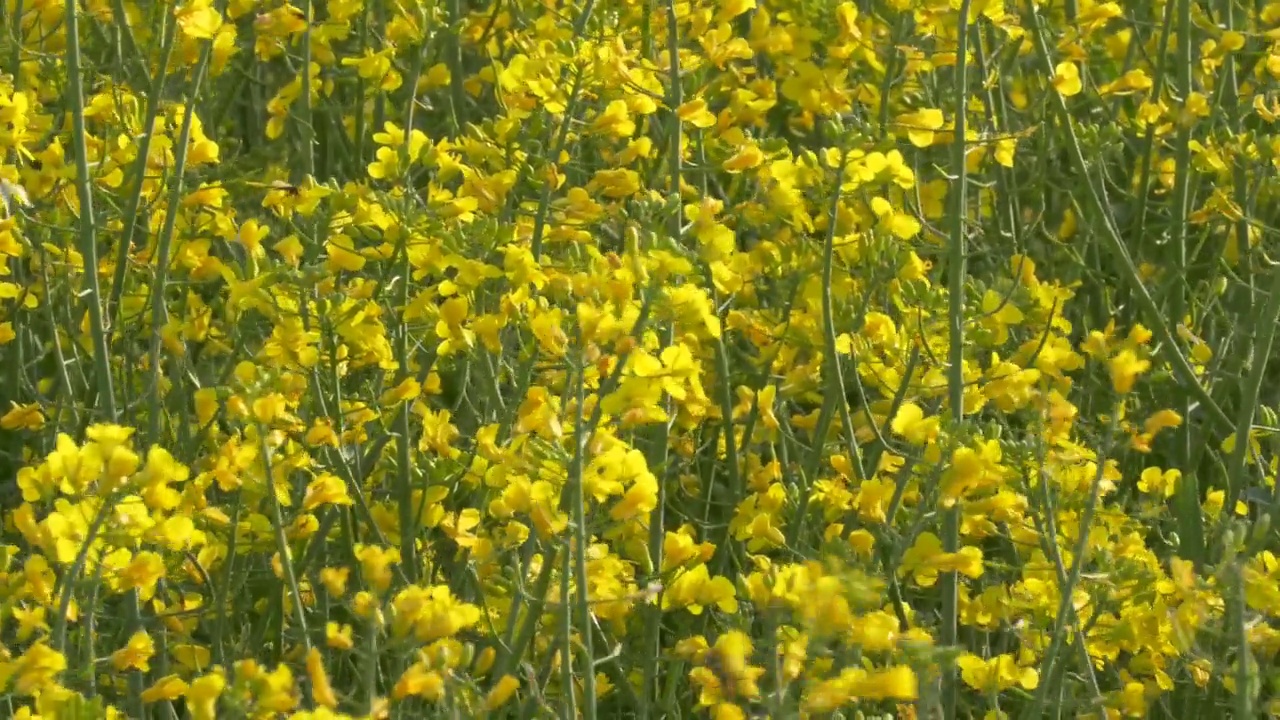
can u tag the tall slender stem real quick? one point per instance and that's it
(955, 375)
(307, 122)
(581, 537)
(88, 228)
(159, 311)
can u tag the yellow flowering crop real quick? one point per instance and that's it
(686, 358)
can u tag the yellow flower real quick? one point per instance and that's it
(925, 560)
(143, 572)
(972, 469)
(997, 674)
(911, 423)
(640, 498)
(501, 692)
(169, 687)
(135, 655)
(747, 157)
(1125, 368)
(408, 389)
(375, 564)
(920, 125)
(421, 682)
(431, 613)
(341, 253)
(335, 580)
(1066, 79)
(177, 533)
(1133, 698)
(1157, 482)
(338, 636)
(696, 588)
(615, 121)
(37, 669)
(206, 402)
(194, 658)
(862, 542)
(894, 683)
(198, 19)
(321, 691)
(727, 673)
(1161, 420)
(274, 691)
(23, 417)
(325, 489)
(269, 408)
(202, 695)
(695, 113)
(29, 622)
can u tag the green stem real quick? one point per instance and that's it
(1264, 324)
(1246, 673)
(404, 476)
(131, 222)
(1168, 344)
(306, 121)
(159, 311)
(510, 652)
(657, 460)
(282, 543)
(456, 97)
(957, 258)
(581, 537)
(221, 606)
(566, 641)
(827, 412)
(1049, 666)
(88, 226)
(1189, 516)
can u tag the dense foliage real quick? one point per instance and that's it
(676, 358)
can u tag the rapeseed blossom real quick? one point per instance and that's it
(722, 357)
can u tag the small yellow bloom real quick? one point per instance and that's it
(206, 401)
(338, 636)
(997, 674)
(920, 125)
(911, 423)
(37, 669)
(1125, 368)
(136, 654)
(1157, 482)
(695, 113)
(321, 691)
(1066, 79)
(23, 417)
(326, 489)
(169, 687)
(267, 409)
(202, 696)
(419, 681)
(198, 19)
(501, 692)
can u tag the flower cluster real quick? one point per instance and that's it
(733, 358)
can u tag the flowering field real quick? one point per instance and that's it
(662, 359)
